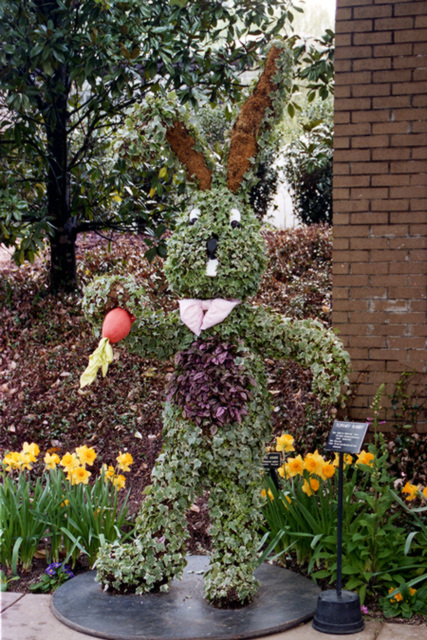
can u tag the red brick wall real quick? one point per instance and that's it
(380, 195)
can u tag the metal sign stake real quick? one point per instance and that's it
(338, 611)
(339, 524)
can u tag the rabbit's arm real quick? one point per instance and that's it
(306, 342)
(153, 333)
(159, 335)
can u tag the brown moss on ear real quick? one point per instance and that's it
(243, 145)
(183, 144)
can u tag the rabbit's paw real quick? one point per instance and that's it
(104, 293)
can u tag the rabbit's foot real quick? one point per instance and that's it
(230, 587)
(133, 568)
(230, 601)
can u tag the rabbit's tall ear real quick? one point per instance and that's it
(183, 144)
(243, 143)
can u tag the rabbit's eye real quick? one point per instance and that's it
(235, 219)
(194, 215)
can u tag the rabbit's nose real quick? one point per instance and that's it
(211, 246)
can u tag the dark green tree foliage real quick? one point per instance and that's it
(308, 170)
(316, 65)
(308, 167)
(263, 192)
(68, 71)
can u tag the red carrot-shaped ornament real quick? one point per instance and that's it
(117, 324)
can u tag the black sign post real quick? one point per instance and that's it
(338, 612)
(270, 463)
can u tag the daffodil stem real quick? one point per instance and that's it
(339, 523)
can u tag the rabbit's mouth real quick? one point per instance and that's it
(211, 267)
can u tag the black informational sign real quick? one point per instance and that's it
(272, 460)
(347, 437)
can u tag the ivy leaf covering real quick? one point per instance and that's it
(210, 385)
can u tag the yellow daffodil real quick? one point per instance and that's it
(270, 494)
(119, 482)
(412, 591)
(25, 460)
(281, 472)
(12, 460)
(51, 460)
(124, 461)
(285, 443)
(69, 461)
(288, 500)
(348, 459)
(294, 466)
(109, 472)
(65, 503)
(86, 455)
(31, 450)
(327, 471)
(18, 460)
(311, 486)
(411, 490)
(365, 457)
(80, 475)
(314, 463)
(424, 492)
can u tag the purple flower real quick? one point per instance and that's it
(364, 609)
(51, 568)
(68, 571)
(56, 565)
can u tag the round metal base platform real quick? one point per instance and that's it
(283, 601)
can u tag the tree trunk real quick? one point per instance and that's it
(63, 273)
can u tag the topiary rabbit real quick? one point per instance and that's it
(217, 410)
